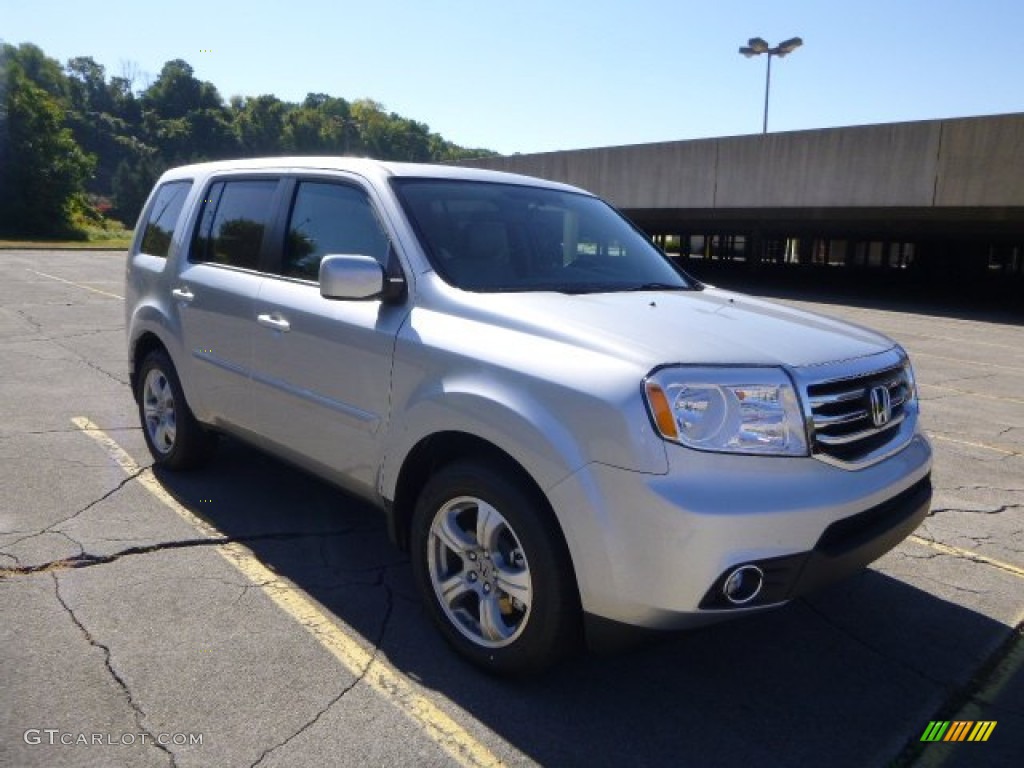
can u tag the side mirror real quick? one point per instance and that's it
(351, 277)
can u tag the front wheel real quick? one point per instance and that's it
(493, 569)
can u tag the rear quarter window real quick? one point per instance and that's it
(163, 217)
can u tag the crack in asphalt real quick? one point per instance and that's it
(53, 340)
(138, 713)
(30, 320)
(957, 555)
(868, 646)
(328, 564)
(36, 460)
(17, 562)
(65, 431)
(52, 527)
(87, 560)
(956, 587)
(995, 511)
(385, 621)
(94, 366)
(973, 541)
(929, 555)
(74, 542)
(245, 589)
(979, 487)
(83, 334)
(57, 338)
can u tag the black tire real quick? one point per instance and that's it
(159, 391)
(527, 540)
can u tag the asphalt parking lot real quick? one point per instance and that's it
(251, 615)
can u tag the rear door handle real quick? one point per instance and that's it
(274, 321)
(183, 293)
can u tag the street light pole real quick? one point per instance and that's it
(755, 47)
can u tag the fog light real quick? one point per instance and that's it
(743, 584)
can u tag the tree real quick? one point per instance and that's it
(87, 86)
(322, 125)
(44, 72)
(65, 131)
(93, 119)
(44, 169)
(306, 132)
(175, 93)
(371, 124)
(212, 136)
(259, 125)
(408, 139)
(185, 118)
(132, 181)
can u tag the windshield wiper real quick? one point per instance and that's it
(656, 287)
(575, 289)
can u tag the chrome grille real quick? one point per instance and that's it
(848, 418)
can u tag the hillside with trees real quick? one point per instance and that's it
(79, 148)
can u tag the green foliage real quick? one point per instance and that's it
(42, 187)
(259, 125)
(177, 92)
(131, 184)
(44, 72)
(73, 135)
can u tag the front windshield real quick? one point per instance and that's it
(488, 237)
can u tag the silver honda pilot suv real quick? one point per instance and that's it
(570, 435)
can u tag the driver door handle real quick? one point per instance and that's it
(274, 321)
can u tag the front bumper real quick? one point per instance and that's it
(654, 550)
(845, 547)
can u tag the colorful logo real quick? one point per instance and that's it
(958, 730)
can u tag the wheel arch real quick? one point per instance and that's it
(439, 449)
(146, 342)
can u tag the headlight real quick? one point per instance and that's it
(908, 371)
(734, 410)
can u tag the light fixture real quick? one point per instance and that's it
(755, 47)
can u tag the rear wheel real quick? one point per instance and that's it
(493, 569)
(174, 437)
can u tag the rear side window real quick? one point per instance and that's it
(330, 219)
(163, 217)
(236, 215)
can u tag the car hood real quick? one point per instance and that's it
(653, 328)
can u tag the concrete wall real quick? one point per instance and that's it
(981, 162)
(964, 163)
(883, 165)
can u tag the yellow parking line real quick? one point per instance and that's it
(330, 632)
(979, 706)
(972, 394)
(1013, 368)
(962, 342)
(946, 549)
(77, 285)
(986, 446)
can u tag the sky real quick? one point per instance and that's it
(542, 75)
